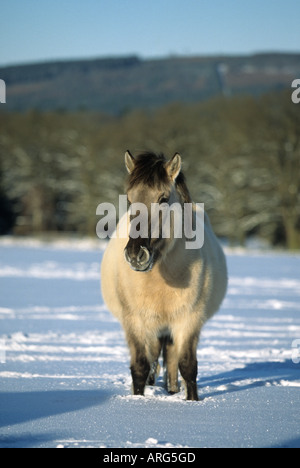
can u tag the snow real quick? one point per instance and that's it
(64, 363)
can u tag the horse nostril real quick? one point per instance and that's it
(143, 256)
(127, 258)
(138, 262)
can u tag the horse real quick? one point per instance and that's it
(160, 291)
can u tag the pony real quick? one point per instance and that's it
(160, 291)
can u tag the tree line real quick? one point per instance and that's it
(241, 158)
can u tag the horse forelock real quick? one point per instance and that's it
(150, 170)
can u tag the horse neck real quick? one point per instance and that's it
(178, 251)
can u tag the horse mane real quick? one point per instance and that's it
(150, 170)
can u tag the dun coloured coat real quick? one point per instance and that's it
(161, 292)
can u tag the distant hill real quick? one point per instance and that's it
(117, 85)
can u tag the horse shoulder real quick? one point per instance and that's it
(214, 274)
(111, 289)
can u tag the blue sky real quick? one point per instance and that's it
(39, 30)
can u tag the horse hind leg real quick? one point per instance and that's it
(154, 351)
(170, 365)
(154, 373)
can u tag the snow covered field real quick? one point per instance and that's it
(64, 364)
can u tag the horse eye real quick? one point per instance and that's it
(164, 200)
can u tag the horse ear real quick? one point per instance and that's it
(129, 161)
(173, 166)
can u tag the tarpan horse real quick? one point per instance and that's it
(162, 292)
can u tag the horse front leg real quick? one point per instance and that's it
(188, 367)
(140, 366)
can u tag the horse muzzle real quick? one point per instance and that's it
(142, 261)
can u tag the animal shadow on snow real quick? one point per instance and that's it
(26, 439)
(255, 375)
(21, 407)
